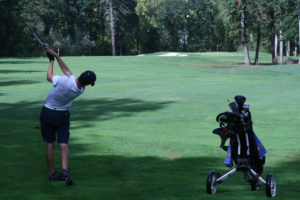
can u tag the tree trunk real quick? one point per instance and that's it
(281, 49)
(272, 18)
(102, 32)
(7, 24)
(112, 28)
(276, 47)
(287, 48)
(299, 31)
(244, 41)
(258, 32)
(7, 42)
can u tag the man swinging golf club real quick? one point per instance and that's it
(55, 117)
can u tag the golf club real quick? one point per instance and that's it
(35, 35)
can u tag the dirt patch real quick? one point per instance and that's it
(221, 66)
(235, 66)
(163, 135)
(172, 155)
(294, 156)
(228, 66)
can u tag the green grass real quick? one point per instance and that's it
(144, 131)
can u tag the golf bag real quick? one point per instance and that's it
(244, 150)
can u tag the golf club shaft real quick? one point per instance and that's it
(38, 39)
(35, 35)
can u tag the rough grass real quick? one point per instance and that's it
(144, 130)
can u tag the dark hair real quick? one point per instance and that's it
(87, 77)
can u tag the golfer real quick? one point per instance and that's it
(55, 117)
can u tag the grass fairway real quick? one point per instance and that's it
(144, 131)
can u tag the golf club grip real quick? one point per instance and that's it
(38, 39)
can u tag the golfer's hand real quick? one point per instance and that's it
(51, 58)
(51, 52)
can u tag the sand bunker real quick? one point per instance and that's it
(174, 54)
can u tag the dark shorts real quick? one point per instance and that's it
(52, 122)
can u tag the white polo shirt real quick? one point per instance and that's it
(62, 93)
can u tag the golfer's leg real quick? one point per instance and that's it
(50, 157)
(63, 134)
(64, 155)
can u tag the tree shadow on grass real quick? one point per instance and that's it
(20, 82)
(107, 177)
(7, 71)
(82, 110)
(20, 61)
(287, 177)
(113, 177)
(120, 177)
(149, 177)
(106, 109)
(266, 64)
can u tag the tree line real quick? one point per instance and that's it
(130, 27)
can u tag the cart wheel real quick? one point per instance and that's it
(270, 185)
(211, 184)
(255, 185)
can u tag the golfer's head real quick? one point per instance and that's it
(87, 78)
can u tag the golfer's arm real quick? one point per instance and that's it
(64, 68)
(50, 71)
